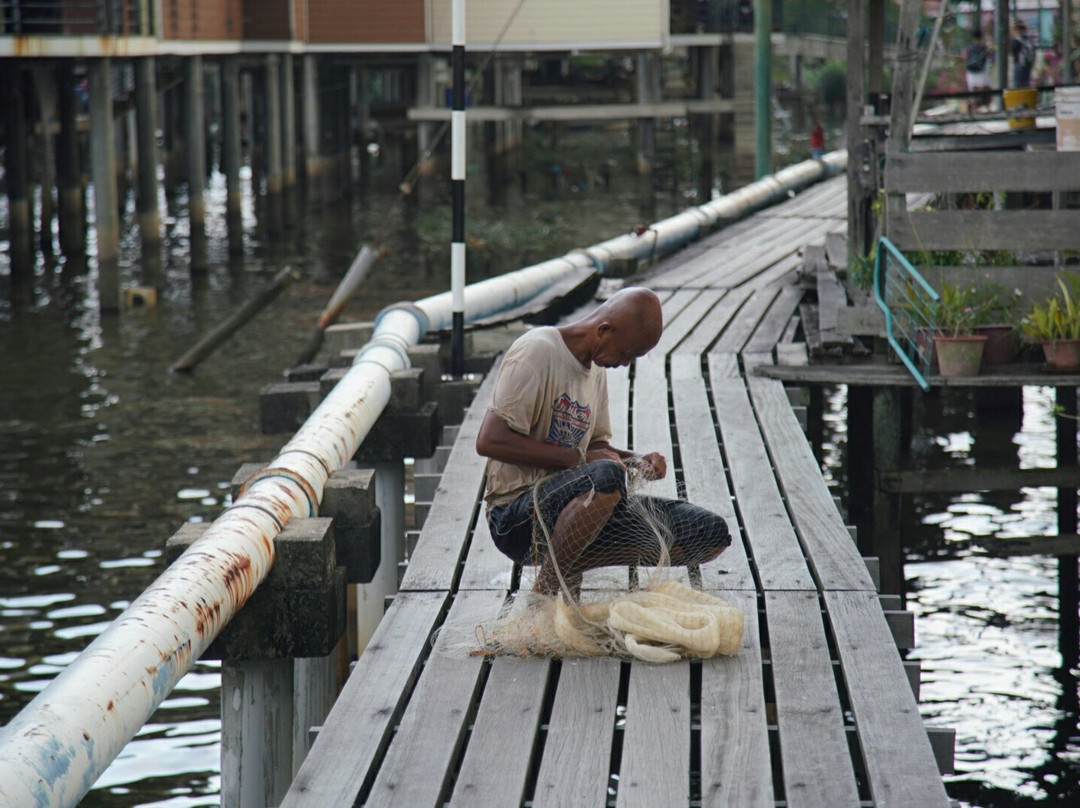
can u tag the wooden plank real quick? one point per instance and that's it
(687, 320)
(831, 299)
(983, 172)
(442, 542)
(485, 566)
(769, 535)
(883, 375)
(832, 554)
(655, 767)
(792, 354)
(736, 774)
(703, 470)
(499, 757)
(836, 250)
(575, 769)
(773, 325)
(358, 728)
(808, 313)
(710, 326)
(739, 331)
(1030, 281)
(898, 759)
(618, 381)
(1014, 230)
(817, 766)
(419, 765)
(652, 427)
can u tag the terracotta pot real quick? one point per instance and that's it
(1000, 343)
(960, 356)
(1062, 354)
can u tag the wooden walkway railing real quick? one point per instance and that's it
(817, 708)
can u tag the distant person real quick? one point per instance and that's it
(817, 141)
(1023, 53)
(1050, 75)
(977, 68)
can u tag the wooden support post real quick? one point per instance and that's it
(231, 155)
(742, 78)
(860, 464)
(274, 213)
(103, 170)
(859, 195)
(313, 161)
(648, 92)
(68, 170)
(887, 538)
(146, 115)
(763, 113)
(875, 35)
(1068, 583)
(425, 130)
(196, 160)
(16, 175)
(288, 142)
(45, 91)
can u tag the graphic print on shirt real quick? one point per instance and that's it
(570, 420)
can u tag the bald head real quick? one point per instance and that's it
(626, 326)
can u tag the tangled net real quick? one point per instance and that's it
(659, 620)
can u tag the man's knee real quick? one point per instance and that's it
(717, 537)
(608, 476)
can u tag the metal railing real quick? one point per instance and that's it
(75, 17)
(910, 305)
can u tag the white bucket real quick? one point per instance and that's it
(1067, 103)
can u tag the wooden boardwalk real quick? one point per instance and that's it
(817, 709)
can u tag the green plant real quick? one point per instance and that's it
(1056, 317)
(959, 310)
(994, 305)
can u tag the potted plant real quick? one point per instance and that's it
(1054, 323)
(996, 317)
(959, 349)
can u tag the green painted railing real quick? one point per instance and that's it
(910, 305)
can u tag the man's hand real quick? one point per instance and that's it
(652, 466)
(601, 452)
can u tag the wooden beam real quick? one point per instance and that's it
(985, 229)
(582, 112)
(983, 172)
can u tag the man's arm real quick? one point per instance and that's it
(499, 442)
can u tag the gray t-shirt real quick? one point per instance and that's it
(543, 391)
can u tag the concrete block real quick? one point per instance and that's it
(349, 499)
(406, 390)
(396, 435)
(284, 406)
(343, 336)
(309, 372)
(454, 398)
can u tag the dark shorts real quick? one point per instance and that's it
(693, 534)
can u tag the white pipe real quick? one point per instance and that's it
(54, 750)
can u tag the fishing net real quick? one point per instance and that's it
(611, 569)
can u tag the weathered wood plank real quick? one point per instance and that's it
(339, 765)
(832, 554)
(652, 426)
(883, 375)
(983, 172)
(618, 381)
(831, 299)
(898, 759)
(817, 765)
(497, 762)
(736, 773)
(1032, 282)
(655, 768)
(769, 535)
(485, 566)
(575, 768)
(431, 730)
(1014, 230)
(434, 562)
(836, 250)
(710, 326)
(773, 325)
(703, 470)
(740, 329)
(687, 320)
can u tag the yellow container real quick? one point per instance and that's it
(1022, 99)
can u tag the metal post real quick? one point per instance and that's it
(288, 141)
(231, 157)
(196, 160)
(762, 88)
(273, 144)
(457, 190)
(103, 171)
(146, 116)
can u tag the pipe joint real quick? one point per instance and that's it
(417, 312)
(279, 472)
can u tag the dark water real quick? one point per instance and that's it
(103, 455)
